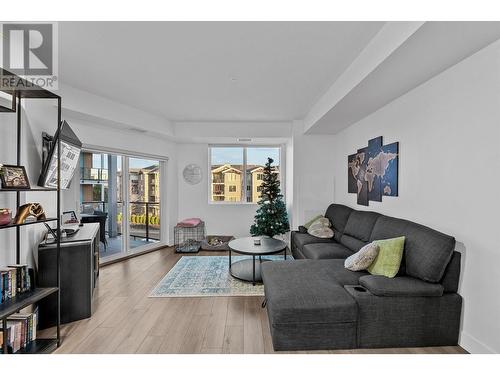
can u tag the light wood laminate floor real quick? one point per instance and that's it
(127, 321)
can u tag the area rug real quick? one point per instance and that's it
(207, 276)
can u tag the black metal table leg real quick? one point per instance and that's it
(229, 260)
(285, 253)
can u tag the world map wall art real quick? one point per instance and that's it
(373, 171)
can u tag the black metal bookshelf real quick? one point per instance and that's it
(13, 225)
(21, 91)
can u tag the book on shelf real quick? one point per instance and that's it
(22, 277)
(21, 330)
(8, 277)
(14, 280)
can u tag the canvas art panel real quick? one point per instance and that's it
(373, 171)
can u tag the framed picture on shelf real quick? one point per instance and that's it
(14, 177)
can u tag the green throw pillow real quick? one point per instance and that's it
(309, 223)
(389, 257)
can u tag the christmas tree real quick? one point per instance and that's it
(271, 218)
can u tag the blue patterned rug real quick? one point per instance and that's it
(205, 276)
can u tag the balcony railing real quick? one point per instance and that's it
(91, 206)
(144, 217)
(93, 174)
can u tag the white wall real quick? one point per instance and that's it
(229, 219)
(88, 105)
(308, 185)
(226, 131)
(448, 132)
(221, 219)
(313, 183)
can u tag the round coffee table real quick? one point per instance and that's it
(249, 269)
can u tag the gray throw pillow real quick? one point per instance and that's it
(363, 258)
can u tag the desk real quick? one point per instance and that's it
(79, 273)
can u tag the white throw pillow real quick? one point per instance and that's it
(363, 258)
(321, 228)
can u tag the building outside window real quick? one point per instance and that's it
(237, 172)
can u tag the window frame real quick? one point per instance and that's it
(244, 185)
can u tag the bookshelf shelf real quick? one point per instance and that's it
(27, 190)
(21, 90)
(39, 346)
(12, 225)
(5, 109)
(23, 300)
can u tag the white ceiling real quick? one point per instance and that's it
(433, 48)
(211, 71)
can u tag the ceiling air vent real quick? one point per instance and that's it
(244, 139)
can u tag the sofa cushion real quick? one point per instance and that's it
(427, 251)
(392, 228)
(352, 243)
(326, 251)
(305, 292)
(301, 239)
(343, 275)
(338, 215)
(360, 225)
(402, 286)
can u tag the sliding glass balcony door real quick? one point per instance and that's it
(122, 193)
(144, 201)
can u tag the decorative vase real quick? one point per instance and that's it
(5, 216)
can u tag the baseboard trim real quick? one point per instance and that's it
(473, 345)
(131, 255)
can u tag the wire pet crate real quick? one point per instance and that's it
(188, 239)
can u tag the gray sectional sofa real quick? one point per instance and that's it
(315, 303)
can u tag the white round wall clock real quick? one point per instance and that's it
(192, 174)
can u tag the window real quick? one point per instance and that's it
(237, 173)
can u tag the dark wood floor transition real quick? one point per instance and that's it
(127, 321)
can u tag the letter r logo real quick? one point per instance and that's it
(27, 48)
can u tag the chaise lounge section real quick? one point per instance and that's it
(315, 303)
